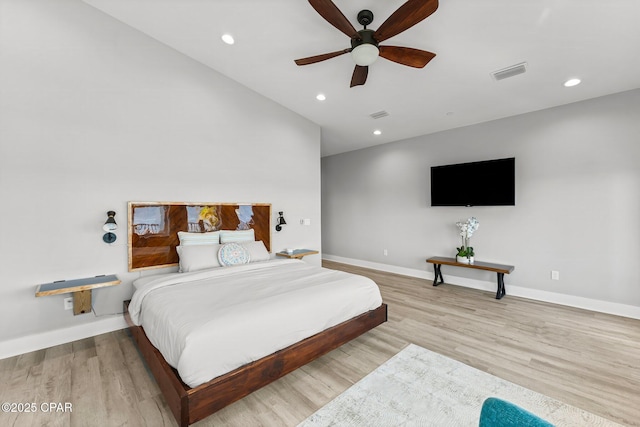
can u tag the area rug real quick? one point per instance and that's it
(418, 387)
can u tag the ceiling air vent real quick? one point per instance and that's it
(379, 114)
(511, 71)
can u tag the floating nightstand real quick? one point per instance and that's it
(80, 288)
(297, 253)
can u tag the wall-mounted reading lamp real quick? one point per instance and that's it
(110, 226)
(280, 222)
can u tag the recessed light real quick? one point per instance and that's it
(572, 82)
(377, 132)
(321, 97)
(228, 39)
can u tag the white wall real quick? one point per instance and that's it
(577, 203)
(94, 114)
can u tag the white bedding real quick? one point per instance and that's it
(209, 322)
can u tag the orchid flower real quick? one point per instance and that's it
(467, 229)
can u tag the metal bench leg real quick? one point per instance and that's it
(501, 292)
(437, 268)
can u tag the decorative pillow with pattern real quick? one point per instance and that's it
(233, 254)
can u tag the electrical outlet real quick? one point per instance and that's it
(555, 275)
(68, 303)
(385, 252)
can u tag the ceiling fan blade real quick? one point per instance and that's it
(318, 58)
(406, 56)
(407, 15)
(330, 12)
(359, 76)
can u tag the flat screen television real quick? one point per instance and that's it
(486, 183)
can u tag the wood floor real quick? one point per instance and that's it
(585, 359)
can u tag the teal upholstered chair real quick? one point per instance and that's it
(499, 413)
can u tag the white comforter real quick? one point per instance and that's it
(207, 323)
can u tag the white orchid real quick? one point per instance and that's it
(463, 228)
(472, 226)
(467, 229)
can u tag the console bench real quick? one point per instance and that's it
(500, 269)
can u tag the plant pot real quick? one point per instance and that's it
(464, 260)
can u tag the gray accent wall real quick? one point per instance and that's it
(577, 201)
(94, 114)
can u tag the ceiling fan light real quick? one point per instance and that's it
(365, 54)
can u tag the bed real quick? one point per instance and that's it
(214, 332)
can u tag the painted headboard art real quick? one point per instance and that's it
(153, 227)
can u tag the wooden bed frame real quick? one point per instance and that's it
(193, 404)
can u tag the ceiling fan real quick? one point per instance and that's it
(364, 43)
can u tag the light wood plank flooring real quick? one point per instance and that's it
(586, 359)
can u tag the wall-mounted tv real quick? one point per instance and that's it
(486, 183)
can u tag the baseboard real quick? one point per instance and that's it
(518, 291)
(55, 337)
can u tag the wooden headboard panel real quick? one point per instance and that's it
(153, 227)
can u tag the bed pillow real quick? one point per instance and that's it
(198, 257)
(187, 239)
(257, 251)
(233, 254)
(229, 236)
